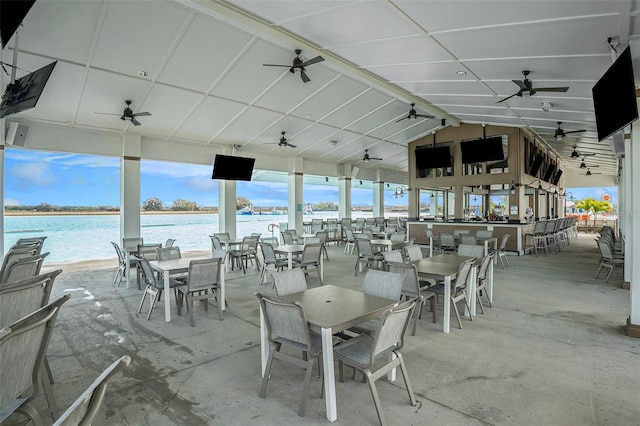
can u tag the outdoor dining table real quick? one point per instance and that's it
(174, 266)
(444, 267)
(289, 250)
(228, 246)
(485, 241)
(330, 309)
(388, 244)
(128, 251)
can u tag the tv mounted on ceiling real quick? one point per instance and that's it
(24, 93)
(614, 97)
(535, 167)
(549, 173)
(556, 177)
(226, 167)
(433, 158)
(481, 150)
(12, 12)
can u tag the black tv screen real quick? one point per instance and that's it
(614, 97)
(12, 12)
(25, 92)
(556, 177)
(550, 171)
(433, 158)
(535, 167)
(481, 150)
(226, 167)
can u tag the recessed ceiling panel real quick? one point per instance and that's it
(394, 128)
(251, 123)
(205, 51)
(330, 98)
(438, 71)
(588, 68)
(41, 32)
(283, 10)
(315, 139)
(167, 116)
(479, 119)
(426, 88)
(488, 111)
(357, 108)
(446, 99)
(210, 117)
(377, 118)
(127, 45)
(411, 49)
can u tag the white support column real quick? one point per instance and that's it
(344, 197)
(625, 214)
(378, 197)
(227, 207)
(130, 187)
(633, 323)
(295, 195)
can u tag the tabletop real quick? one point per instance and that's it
(289, 248)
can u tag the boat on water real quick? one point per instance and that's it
(245, 211)
(308, 209)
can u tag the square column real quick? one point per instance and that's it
(632, 151)
(227, 207)
(344, 191)
(296, 206)
(130, 187)
(378, 199)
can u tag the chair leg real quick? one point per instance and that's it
(455, 309)
(190, 309)
(267, 371)
(307, 383)
(153, 302)
(47, 368)
(478, 294)
(376, 398)
(416, 315)
(405, 375)
(144, 295)
(219, 301)
(434, 312)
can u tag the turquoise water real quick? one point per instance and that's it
(87, 237)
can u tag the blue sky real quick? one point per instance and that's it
(34, 177)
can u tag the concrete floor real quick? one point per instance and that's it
(552, 351)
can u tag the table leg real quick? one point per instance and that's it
(391, 375)
(321, 268)
(167, 296)
(222, 289)
(430, 246)
(290, 260)
(447, 304)
(329, 375)
(264, 342)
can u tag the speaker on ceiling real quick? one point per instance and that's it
(17, 134)
(617, 144)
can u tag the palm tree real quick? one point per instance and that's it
(595, 206)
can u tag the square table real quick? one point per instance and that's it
(228, 245)
(330, 309)
(388, 244)
(173, 266)
(289, 250)
(445, 267)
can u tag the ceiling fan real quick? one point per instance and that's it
(589, 173)
(560, 133)
(583, 165)
(128, 114)
(366, 157)
(283, 142)
(413, 114)
(526, 87)
(574, 153)
(299, 64)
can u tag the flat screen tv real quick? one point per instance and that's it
(549, 173)
(12, 12)
(226, 167)
(556, 177)
(614, 97)
(25, 91)
(433, 158)
(481, 150)
(535, 166)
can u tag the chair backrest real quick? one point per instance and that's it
(393, 256)
(605, 250)
(289, 281)
(391, 329)
(364, 247)
(468, 239)
(16, 253)
(397, 237)
(540, 227)
(447, 240)
(169, 242)
(85, 408)
(503, 241)
(312, 253)
(550, 226)
(349, 233)
(484, 234)
(463, 273)
(223, 236)
(323, 235)
(21, 269)
(23, 346)
(413, 253)
(131, 243)
(313, 240)
(31, 240)
(168, 253)
(460, 232)
(215, 242)
(121, 256)
(148, 277)
(410, 280)
(20, 298)
(382, 284)
(484, 265)
(292, 232)
(268, 254)
(285, 320)
(148, 251)
(367, 233)
(470, 250)
(287, 238)
(204, 273)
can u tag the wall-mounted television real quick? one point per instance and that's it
(481, 150)
(614, 97)
(556, 177)
(227, 167)
(535, 166)
(12, 12)
(25, 92)
(433, 158)
(549, 173)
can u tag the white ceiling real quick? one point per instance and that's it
(206, 83)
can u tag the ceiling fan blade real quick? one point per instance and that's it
(508, 97)
(425, 116)
(135, 122)
(142, 114)
(107, 113)
(375, 158)
(291, 145)
(521, 85)
(551, 89)
(588, 154)
(403, 118)
(591, 167)
(312, 61)
(276, 65)
(574, 131)
(304, 76)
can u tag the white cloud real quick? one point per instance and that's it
(176, 170)
(202, 184)
(38, 174)
(12, 202)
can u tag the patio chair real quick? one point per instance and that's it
(481, 281)
(324, 236)
(247, 251)
(287, 325)
(364, 351)
(501, 252)
(154, 287)
(203, 283)
(83, 411)
(269, 259)
(447, 243)
(392, 256)
(286, 238)
(223, 236)
(483, 234)
(169, 253)
(169, 242)
(397, 237)
(289, 281)
(294, 235)
(366, 254)
(21, 269)
(607, 259)
(122, 265)
(23, 347)
(413, 253)
(468, 239)
(310, 260)
(147, 251)
(470, 250)
(350, 241)
(16, 253)
(411, 290)
(458, 288)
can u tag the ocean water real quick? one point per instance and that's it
(87, 237)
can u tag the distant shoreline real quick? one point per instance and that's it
(92, 213)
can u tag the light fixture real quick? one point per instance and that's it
(400, 191)
(326, 179)
(461, 72)
(387, 185)
(308, 116)
(546, 106)
(360, 182)
(333, 143)
(143, 73)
